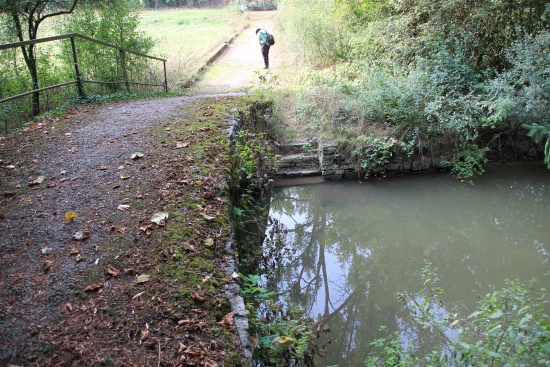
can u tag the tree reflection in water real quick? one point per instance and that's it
(350, 248)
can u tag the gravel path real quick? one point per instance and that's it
(82, 159)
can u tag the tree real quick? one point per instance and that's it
(23, 18)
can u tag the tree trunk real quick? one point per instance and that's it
(31, 63)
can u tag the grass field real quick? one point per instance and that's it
(185, 37)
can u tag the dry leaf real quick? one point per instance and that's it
(123, 207)
(285, 340)
(80, 236)
(144, 334)
(74, 251)
(197, 297)
(46, 250)
(124, 176)
(189, 247)
(79, 258)
(180, 145)
(112, 271)
(92, 287)
(37, 181)
(137, 155)
(143, 278)
(207, 217)
(159, 218)
(206, 278)
(147, 229)
(209, 242)
(210, 363)
(228, 320)
(69, 216)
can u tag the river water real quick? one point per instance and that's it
(352, 246)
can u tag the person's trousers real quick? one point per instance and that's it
(265, 54)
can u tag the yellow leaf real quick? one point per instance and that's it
(209, 242)
(69, 216)
(143, 278)
(285, 340)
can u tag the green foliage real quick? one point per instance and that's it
(443, 76)
(117, 23)
(510, 327)
(284, 337)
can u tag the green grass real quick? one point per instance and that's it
(186, 37)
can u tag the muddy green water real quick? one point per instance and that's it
(352, 246)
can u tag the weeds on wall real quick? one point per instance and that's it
(282, 335)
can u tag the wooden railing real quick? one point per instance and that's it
(79, 81)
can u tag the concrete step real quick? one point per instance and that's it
(295, 148)
(299, 160)
(296, 172)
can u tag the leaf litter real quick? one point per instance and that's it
(129, 251)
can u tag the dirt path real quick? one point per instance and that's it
(238, 65)
(83, 165)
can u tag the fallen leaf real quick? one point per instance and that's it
(209, 242)
(180, 145)
(197, 297)
(46, 250)
(123, 207)
(112, 271)
(79, 258)
(228, 320)
(254, 342)
(74, 251)
(138, 295)
(126, 201)
(69, 306)
(2, 215)
(207, 113)
(285, 340)
(206, 278)
(9, 193)
(11, 166)
(210, 363)
(124, 176)
(80, 236)
(137, 155)
(207, 217)
(143, 278)
(189, 247)
(147, 229)
(92, 287)
(37, 181)
(144, 334)
(69, 216)
(159, 218)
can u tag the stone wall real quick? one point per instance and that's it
(337, 164)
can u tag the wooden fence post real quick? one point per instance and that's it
(79, 85)
(124, 71)
(165, 78)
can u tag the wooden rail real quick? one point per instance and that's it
(78, 77)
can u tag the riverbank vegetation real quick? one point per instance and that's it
(460, 78)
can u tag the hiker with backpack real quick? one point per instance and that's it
(266, 41)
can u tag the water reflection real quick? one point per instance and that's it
(351, 247)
